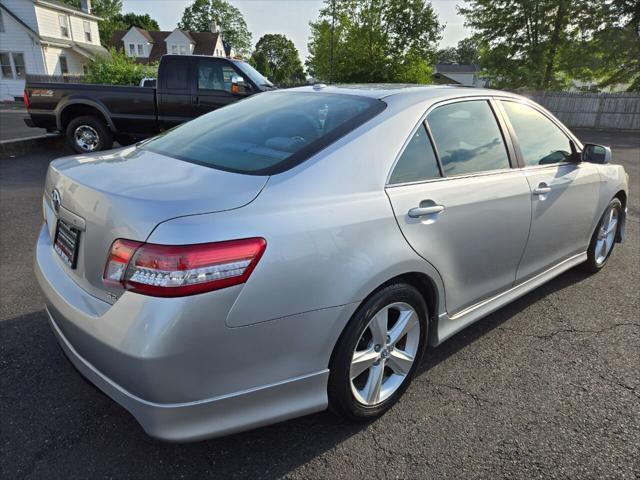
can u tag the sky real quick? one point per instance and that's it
(288, 17)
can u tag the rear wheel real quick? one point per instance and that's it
(88, 134)
(378, 353)
(604, 237)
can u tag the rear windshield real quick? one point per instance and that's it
(267, 133)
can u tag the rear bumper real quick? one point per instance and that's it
(177, 367)
(190, 421)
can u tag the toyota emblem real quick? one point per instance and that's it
(56, 200)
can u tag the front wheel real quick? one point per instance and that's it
(88, 134)
(378, 353)
(604, 237)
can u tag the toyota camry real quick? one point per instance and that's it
(303, 249)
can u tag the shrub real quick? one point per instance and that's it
(118, 69)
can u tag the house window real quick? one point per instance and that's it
(140, 50)
(174, 49)
(132, 50)
(64, 25)
(12, 66)
(87, 31)
(5, 65)
(183, 49)
(64, 68)
(1, 22)
(18, 64)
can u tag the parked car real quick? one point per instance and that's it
(302, 248)
(92, 116)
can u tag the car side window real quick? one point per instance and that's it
(214, 75)
(467, 138)
(540, 140)
(177, 75)
(417, 162)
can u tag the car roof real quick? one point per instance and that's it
(416, 92)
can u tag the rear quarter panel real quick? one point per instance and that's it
(331, 234)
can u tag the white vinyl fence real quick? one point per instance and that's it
(617, 111)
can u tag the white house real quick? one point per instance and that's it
(148, 46)
(458, 73)
(44, 37)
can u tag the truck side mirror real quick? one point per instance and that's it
(593, 153)
(239, 86)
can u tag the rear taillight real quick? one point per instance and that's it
(175, 271)
(25, 100)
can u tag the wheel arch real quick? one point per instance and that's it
(430, 289)
(80, 107)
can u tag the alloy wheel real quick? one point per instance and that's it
(385, 353)
(606, 235)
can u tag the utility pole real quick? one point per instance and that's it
(333, 27)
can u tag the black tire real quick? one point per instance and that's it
(592, 265)
(341, 398)
(95, 124)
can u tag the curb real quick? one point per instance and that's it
(24, 146)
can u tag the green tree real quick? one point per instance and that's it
(466, 52)
(374, 41)
(118, 69)
(545, 44)
(277, 58)
(201, 13)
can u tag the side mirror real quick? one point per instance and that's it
(239, 86)
(593, 153)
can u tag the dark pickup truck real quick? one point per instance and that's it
(93, 116)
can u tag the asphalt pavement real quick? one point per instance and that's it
(12, 126)
(547, 387)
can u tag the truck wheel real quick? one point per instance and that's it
(89, 134)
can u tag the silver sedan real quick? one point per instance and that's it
(302, 249)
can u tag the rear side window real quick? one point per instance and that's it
(176, 74)
(266, 133)
(417, 162)
(468, 138)
(540, 140)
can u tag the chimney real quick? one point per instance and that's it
(85, 6)
(213, 27)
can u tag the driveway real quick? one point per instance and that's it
(548, 387)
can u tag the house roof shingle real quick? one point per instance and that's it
(204, 42)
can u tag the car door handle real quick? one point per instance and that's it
(542, 189)
(418, 212)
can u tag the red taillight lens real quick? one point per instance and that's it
(25, 100)
(119, 257)
(174, 271)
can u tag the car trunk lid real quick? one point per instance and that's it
(125, 194)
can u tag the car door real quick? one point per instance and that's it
(213, 86)
(564, 192)
(460, 204)
(174, 92)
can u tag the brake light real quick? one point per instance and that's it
(180, 270)
(25, 100)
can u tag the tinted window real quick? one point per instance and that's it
(540, 140)
(266, 133)
(467, 138)
(214, 75)
(417, 162)
(177, 74)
